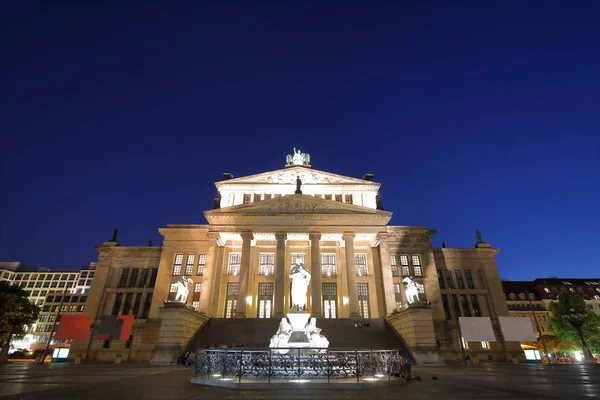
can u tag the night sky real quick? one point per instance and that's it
(471, 115)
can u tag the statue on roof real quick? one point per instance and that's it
(297, 158)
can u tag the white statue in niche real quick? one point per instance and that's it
(300, 279)
(314, 335)
(412, 290)
(183, 286)
(282, 336)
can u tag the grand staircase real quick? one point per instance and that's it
(256, 333)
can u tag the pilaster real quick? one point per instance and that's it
(247, 238)
(206, 296)
(278, 305)
(351, 274)
(315, 271)
(386, 274)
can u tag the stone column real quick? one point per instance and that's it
(386, 274)
(351, 273)
(240, 311)
(279, 275)
(315, 271)
(209, 274)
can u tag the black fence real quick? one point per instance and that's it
(294, 363)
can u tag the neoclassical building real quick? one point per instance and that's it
(240, 262)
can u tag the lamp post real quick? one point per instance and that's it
(577, 319)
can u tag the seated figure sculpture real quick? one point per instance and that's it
(281, 338)
(317, 340)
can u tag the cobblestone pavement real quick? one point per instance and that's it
(114, 382)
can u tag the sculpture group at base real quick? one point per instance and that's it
(301, 332)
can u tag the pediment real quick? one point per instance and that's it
(298, 206)
(289, 175)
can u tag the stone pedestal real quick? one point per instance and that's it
(298, 320)
(414, 325)
(179, 324)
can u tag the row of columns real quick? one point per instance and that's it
(315, 271)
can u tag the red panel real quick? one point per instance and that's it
(74, 327)
(127, 325)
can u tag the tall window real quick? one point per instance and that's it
(153, 277)
(394, 265)
(360, 260)
(117, 304)
(297, 257)
(475, 304)
(327, 197)
(265, 299)
(257, 197)
(330, 300)
(134, 277)
(201, 264)
(398, 295)
(469, 277)
(231, 300)
(124, 276)
(177, 264)
(198, 287)
(328, 267)
(447, 313)
(440, 279)
(363, 299)
(465, 305)
(136, 304)
(348, 198)
(449, 279)
(267, 264)
(404, 265)
(189, 266)
(147, 305)
(127, 304)
(456, 306)
(196, 305)
(235, 261)
(338, 197)
(247, 197)
(144, 279)
(172, 291)
(459, 279)
(267, 196)
(416, 261)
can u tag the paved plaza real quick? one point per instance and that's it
(108, 381)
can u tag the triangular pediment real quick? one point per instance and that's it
(296, 205)
(308, 176)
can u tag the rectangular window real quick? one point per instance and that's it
(201, 264)
(447, 313)
(73, 308)
(189, 266)
(329, 300)
(117, 304)
(235, 262)
(456, 306)
(144, 279)
(327, 197)
(363, 299)
(318, 196)
(231, 300)
(465, 305)
(124, 278)
(417, 269)
(257, 197)
(360, 260)
(52, 285)
(459, 279)
(173, 287)
(276, 196)
(134, 277)
(232, 289)
(404, 265)
(297, 257)
(348, 199)
(136, 305)
(265, 299)
(328, 267)
(198, 287)
(338, 197)
(449, 279)
(469, 277)
(266, 264)
(153, 277)
(177, 264)
(80, 308)
(485, 345)
(267, 196)
(196, 305)
(394, 265)
(247, 197)
(147, 305)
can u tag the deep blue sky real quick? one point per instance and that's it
(472, 115)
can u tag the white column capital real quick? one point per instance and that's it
(348, 236)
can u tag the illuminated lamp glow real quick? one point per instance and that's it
(379, 375)
(345, 300)
(216, 375)
(371, 379)
(226, 379)
(299, 380)
(249, 300)
(578, 356)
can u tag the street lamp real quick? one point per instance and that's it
(577, 319)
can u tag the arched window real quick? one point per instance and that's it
(512, 296)
(531, 296)
(522, 296)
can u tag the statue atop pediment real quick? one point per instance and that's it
(297, 158)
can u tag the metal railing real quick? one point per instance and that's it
(294, 363)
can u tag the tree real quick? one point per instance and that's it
(555, 344)
(573, 321)
(16, 312)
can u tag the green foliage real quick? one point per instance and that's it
(19, 355)
(565, 331)
(555, 344)
(16, 311)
